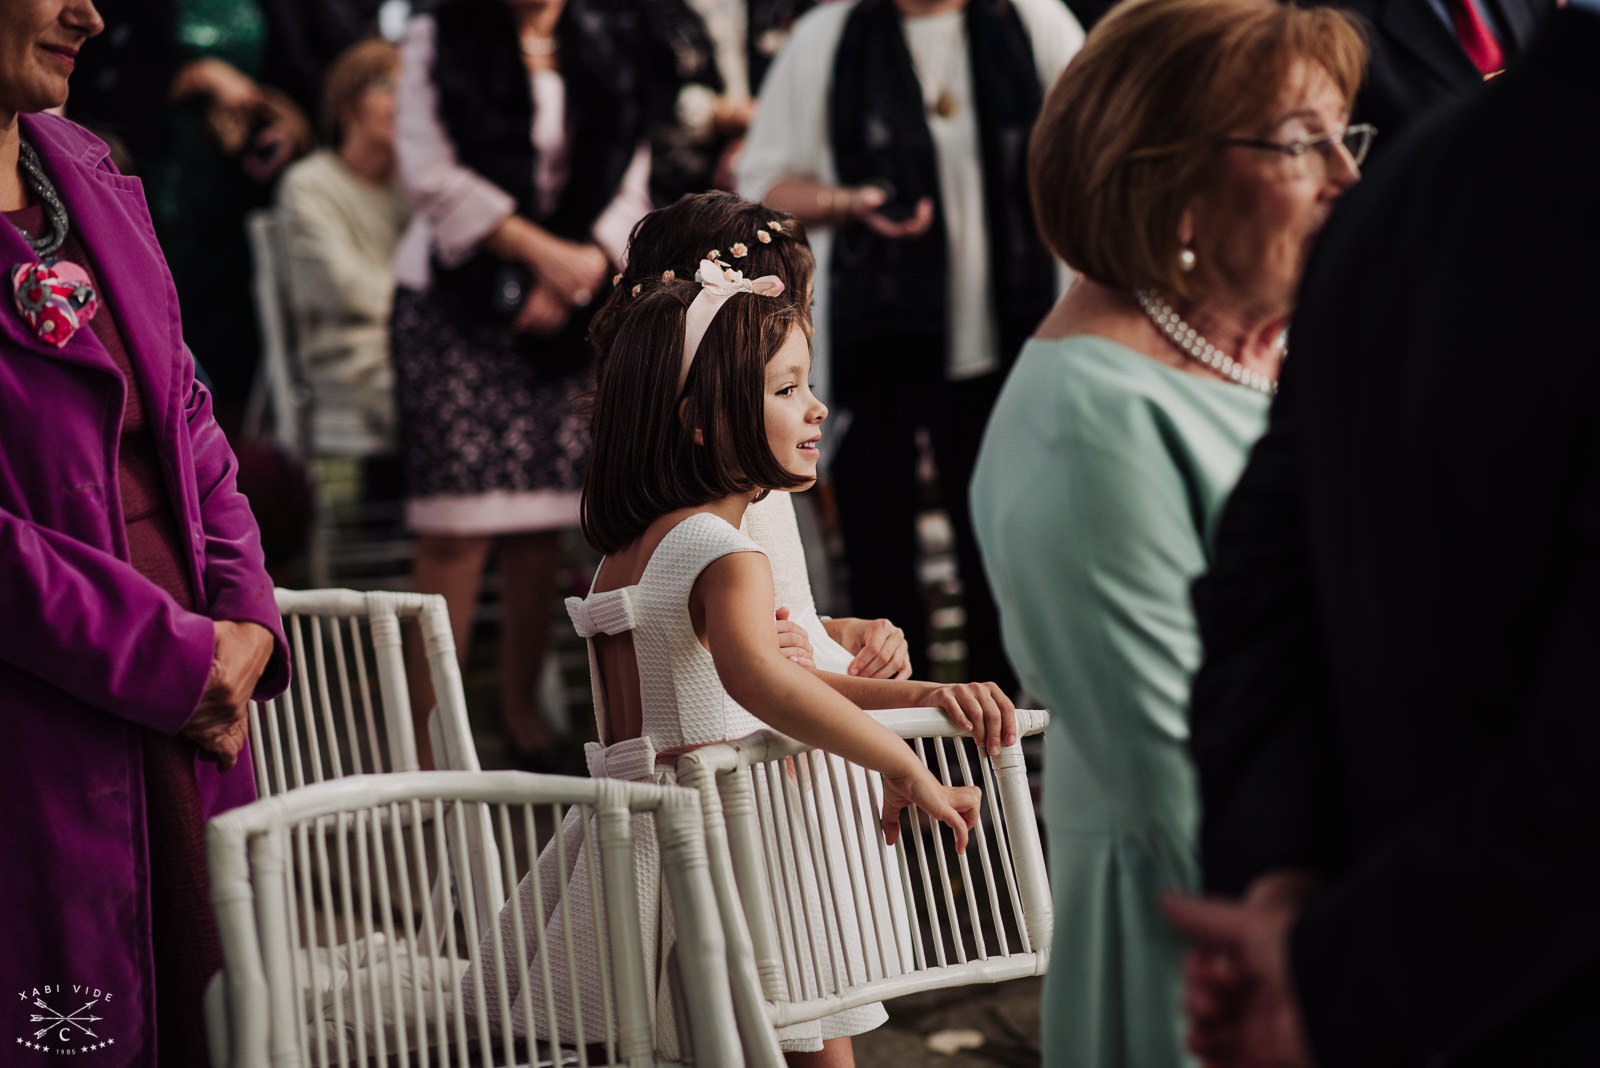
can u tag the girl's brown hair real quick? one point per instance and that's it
(676, 237)
(645, 461)
(1127, 137)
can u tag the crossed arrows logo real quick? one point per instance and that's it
(56, 1019)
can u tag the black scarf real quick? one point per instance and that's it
(683, 33)
(675, 50)
(486, 106)
(879, 132)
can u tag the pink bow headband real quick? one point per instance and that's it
(718, 283)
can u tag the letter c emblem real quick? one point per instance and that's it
(63, 1036)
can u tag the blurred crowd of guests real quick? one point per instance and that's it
(398, 141)
(456, 181)
(455, 185)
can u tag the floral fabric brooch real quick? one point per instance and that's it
(55, 299)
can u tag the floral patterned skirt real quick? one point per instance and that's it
(490, 436)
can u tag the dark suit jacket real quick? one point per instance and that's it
(1417, 63)
(1402, 626)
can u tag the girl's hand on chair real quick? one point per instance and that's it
(793, 641)
(980, 707)
(954, 806)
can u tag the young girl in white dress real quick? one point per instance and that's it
(702, 407)
(867, 660)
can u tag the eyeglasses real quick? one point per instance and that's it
(1357, 141)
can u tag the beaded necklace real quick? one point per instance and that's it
(55, 212)
(54, 297)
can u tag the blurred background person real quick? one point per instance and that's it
(179, 83)
(1429, 52)
(304, 39)
(931, 273)
(705, 61)
(520, 142)
(140, 619)
(342, 213)
(1184, 164)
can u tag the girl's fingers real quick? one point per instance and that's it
(890, 821)
(992, 720)
(953, 819)
(951, 703)
(964, 806)
(971, 803)
(1008, 715)
(972, 707)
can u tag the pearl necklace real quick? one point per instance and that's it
(1197, 348)
(55, 212)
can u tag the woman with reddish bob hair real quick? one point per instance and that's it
(1183, 164)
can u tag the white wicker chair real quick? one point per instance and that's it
(348, 709)
(804, 864)
(327, 962)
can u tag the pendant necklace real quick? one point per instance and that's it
(944, 101)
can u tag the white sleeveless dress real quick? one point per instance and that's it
(684, 703)
(771, 524)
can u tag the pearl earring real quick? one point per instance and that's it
(1186, 260)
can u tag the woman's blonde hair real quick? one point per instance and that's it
(353, 71)
(1126, 138)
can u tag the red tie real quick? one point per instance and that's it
(1476, 40)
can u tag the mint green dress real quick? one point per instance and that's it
(1098, 485)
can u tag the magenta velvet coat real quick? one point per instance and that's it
(90, 651)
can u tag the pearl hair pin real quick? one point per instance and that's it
(1197, 348)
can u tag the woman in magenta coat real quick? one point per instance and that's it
(138, 618)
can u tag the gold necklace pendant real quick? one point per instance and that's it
(944, 105)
